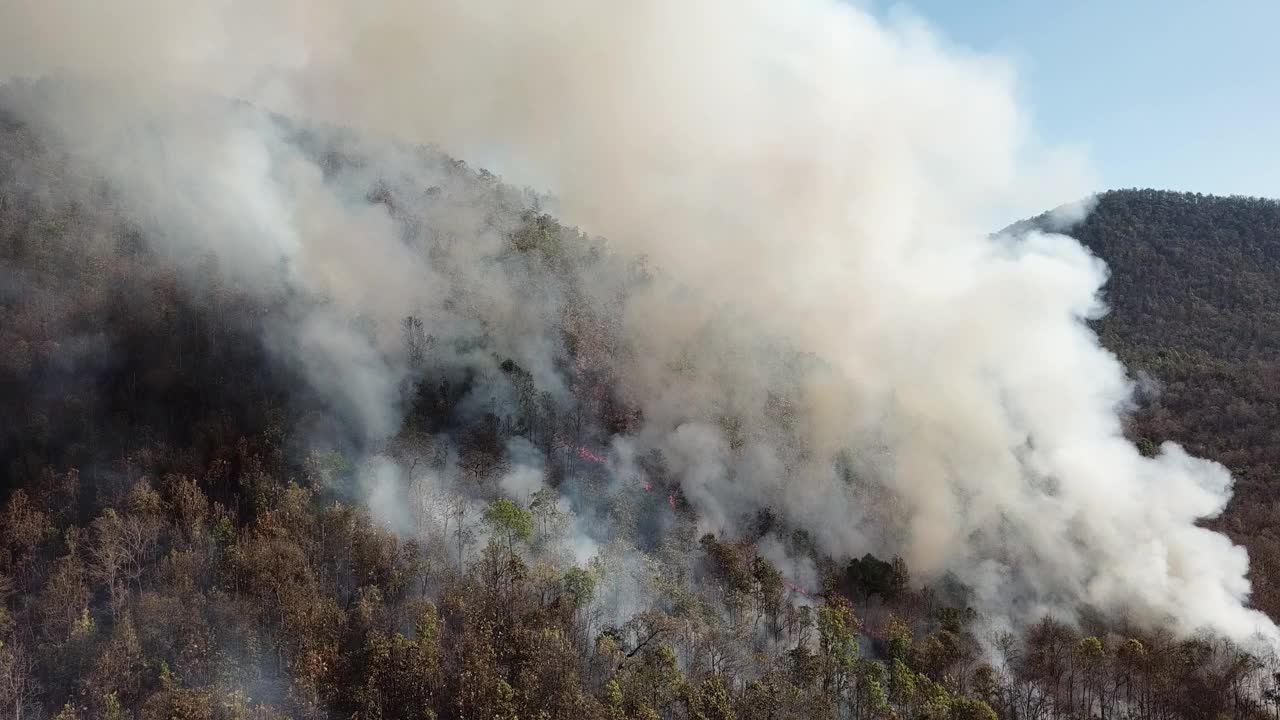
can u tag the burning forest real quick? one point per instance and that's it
(718, 401)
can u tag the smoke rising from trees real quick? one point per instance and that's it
(824, 326)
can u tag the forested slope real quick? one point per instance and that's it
(1194, 299)
(185, 532)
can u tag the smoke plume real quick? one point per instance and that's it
(827, 328)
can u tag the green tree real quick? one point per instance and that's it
(897, 639)
(963, 708)
(710, 700)
(838, 631)
(579, 586)
(509, 521)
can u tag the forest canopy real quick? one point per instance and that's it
(205, 515)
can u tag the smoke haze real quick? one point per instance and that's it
(826, 327)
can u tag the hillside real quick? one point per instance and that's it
(1194, 298)
(206, 515)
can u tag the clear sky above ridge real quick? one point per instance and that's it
(1179, 94)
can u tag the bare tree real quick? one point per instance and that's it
(122, 546)
(18, 688)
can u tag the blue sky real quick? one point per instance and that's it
(1175, 94)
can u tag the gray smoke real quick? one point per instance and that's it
(803, 176)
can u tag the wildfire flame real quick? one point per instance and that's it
(793, 587)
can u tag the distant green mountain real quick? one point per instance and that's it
(1194, 295)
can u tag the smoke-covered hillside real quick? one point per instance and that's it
(232, 495)
(303, 417)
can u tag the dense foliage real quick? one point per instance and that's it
(172, 546)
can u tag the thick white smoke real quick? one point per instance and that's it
(820, 179)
